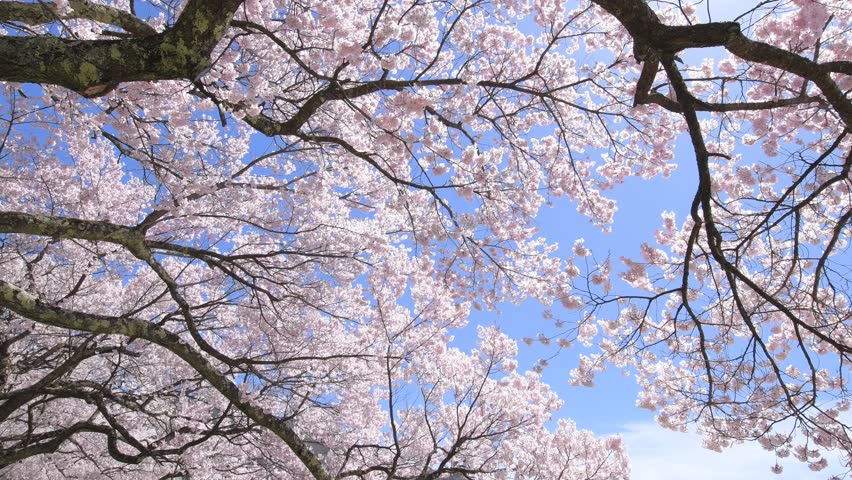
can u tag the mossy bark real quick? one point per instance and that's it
(94, 67)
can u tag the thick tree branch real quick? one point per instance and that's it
(40, 13)
(644, 97)
(66, 227)
(94, 67)
(653, 40)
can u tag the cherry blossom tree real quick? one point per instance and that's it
(237, 238)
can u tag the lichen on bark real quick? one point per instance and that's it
(94, 67)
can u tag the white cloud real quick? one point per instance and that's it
(660, 454)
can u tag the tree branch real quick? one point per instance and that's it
(653, 40)
(94, 67)
(46, 12)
